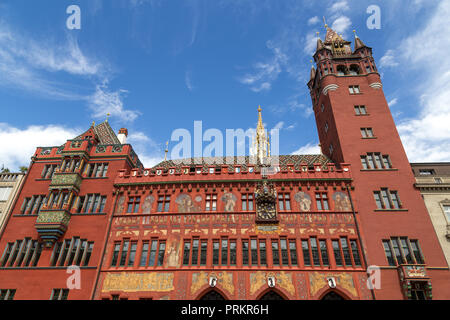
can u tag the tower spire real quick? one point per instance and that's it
(261, 141)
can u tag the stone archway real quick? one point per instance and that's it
(212, 295)
(271, 295)
(332, 295)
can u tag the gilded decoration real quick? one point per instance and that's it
(186, 205)
(224, 280)
(230, 202)
(268, 229)
(127, 233)
(61, 217)
(312, 230)
(304, 201)
(342, 229)
(66, 179)
(134, 282)
(259, 280)
(126, 221)
(341, 202)
(318, 281)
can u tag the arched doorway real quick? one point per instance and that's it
(271, 295)
(212, 295)
(332, 296)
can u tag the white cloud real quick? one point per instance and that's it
(341, 24)
(188, 80)
(310, 148)
(388, 60)
(18, 145)
(339, 6)
(104, 101)
(426, 137)
(313, 21)
(279, 125)
(149, 152)
(393, 102)
(310, 44)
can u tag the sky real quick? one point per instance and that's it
(159, 65)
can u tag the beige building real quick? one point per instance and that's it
(9, 186)
(433, 181)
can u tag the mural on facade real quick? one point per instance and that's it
(120, 204)
(304, 201)
(147, 205)
(341, 202)
(230, 201)
(173, 253)
(186, 205)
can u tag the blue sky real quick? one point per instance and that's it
(158, 65)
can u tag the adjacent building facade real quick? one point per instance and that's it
(346, 224)
(10, 184)
(433, 181)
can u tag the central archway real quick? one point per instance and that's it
(332, 296)
(271, 295)
(212, 295)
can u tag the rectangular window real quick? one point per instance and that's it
(133, 204)
(211, 202)
(232, 252)
(322, 201)
(447, 212)
(224, 255)
(353, 89)
(124, 255)
(315, 251)
(195, 244)
(132, 257)
(386, 199)
(59, 294)
(293, 252)
(144, 254)
(355, 252)
(262, 252)
(216, 249)
(426, 172)
(163, 203)
(367, 132)
(275, 253)
(284, 201)
(360, 110)
(254, 251)
(397, 251)
(152, 258)
(115, 254)
(306, 255)
(245, 252)
(417, 252)
(284, 252)
(405, 250)
(337, 253)
(204, 252)
(187, 252)
(21, 253)
(4, 193)
(346, 252)
(7, 294)
(388, 252)
(324, 252)
(247, 202)
(161, 253)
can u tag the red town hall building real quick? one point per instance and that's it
(210, 229)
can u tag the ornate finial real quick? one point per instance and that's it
(325, 22)
(259, 109)
(166, 151)
(107, 116)
(93, 123)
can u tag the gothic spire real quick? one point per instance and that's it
(358, 41)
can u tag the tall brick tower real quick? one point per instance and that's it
(355, 126)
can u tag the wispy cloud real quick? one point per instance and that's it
(426, 136)
(393, 102)
(266, 72)
(104, 101)
(188, 80)
(388, 60)
(314, 20)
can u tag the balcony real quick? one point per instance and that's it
(51, 225)
(65, 180)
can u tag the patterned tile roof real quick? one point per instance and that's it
(284, 160)
(105, 134)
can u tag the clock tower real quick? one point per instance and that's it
(355, 126)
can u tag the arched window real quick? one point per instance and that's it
(271, 295)
(342, 70)
(212, 295)
(354, 69)
(332, 296)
